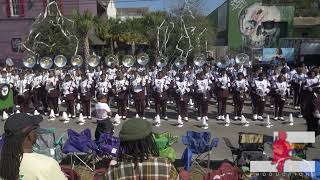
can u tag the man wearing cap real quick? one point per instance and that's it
(138, 156)
(17, 161)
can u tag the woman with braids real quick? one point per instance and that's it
(17, 162)
(138, 156)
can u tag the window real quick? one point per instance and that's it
(14, 8)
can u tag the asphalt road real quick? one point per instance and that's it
(216, 128)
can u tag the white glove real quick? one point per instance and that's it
(310, 89)
(316, 114)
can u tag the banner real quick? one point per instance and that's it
(277, 55)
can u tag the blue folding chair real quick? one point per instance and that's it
(198, 144)
(108, 145)
(81, 146)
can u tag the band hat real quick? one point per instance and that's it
(135, 129)
(20, 123)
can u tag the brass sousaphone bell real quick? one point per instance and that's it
(223, 63)
(111, 59)
(46, 62)
(199, 60)
(60, 61)
(161, 61)
(94, 61)
(242, 59)
(76, 60)
(128, 61)
(180, 62)
(143, 59)
(29, 61)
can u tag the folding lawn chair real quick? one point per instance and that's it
(164, 141)
(82, 147)
(47, 143)
(108, 145)
(251, 148)
(198, 144)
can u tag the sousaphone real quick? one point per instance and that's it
(128, 61)
(223, 63)
(111, 59)
(60, 61)
(199, 60)
(29, 61)
(180, 62)
(143, 59)
(94, 61)
(46, 62)
(76, 60)
(242, 59)
(161, 61)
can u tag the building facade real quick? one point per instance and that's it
(17, 17)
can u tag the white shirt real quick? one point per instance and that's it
(243, 83)
(262, 86)
(160, 85)
(37, 166)
(21, 86)
(36, 82)
(281, 88)
(138, 84)
(299, 78)
(182, 87)
(103, 87)
(203, 85)
(51, 83)
(102, 110)
(121, 85)
(85, 86)
(225, 82)
(68, 87)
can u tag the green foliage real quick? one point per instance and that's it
(48, 38)
(83, 22)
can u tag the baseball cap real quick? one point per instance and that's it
(21, 123)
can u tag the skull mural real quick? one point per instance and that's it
(258, 25)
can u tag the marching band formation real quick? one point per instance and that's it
(187, 86)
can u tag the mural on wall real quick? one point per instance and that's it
(253, 25)
(258, 25)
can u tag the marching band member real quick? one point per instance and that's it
(273, 78)
(68, 92)
(112, 72)
(103, 86)
(297, 80)
(22, 86)
(138, 88)
(280, 89)
(223, 83)
(120, 91)
(85, 96)
(51, 86)
(182, 91)
(310, 82)
(152, 75)
(36, 91)
(160, 87)
(240, 87)
(202, 88)
(260, 90)
(312, 113)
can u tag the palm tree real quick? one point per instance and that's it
(83, 23)
(133, 33)
(108, 30)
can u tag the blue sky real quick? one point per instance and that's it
(209, 5)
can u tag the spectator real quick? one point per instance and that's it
(138, 155)
(17, 159)
(103, 113)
